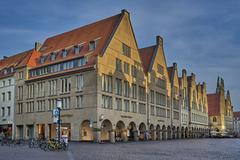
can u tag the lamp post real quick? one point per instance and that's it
(58, 107)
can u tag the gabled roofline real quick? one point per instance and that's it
(124, 12)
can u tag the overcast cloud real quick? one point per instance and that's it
(201, 36)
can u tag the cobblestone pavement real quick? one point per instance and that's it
(190, 149)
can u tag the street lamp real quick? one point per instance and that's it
(58, 108)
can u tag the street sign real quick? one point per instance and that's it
(55, 115)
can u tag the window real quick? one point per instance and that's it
(160, 69)
(160, 99)
(43, 59)
(79, 101)
(118, 65)
(65, 85)
(106, 102)
(20, 108)
(58, 67)
(3, 112)
(30, 107)
(30, 90)
(9, 96)
(4, 83)
(40, 89)
(79, 82)
(78, 48)
(9, 82)
(52, 104)
(118, 84)
(175, 104)
(3, 97)
(176, 115)
(119, 104)
(127, 107)
(64, 53)
(152, 110)
(134, 107)
(161, 83)
(8, 111)
(152, 96)
(53, 56)
(142, 93)
(214, 119)
(92, 45)
(20, 75)
(66, 101)
(126, 91)
(142, 108)
(106, 83)
(41, 105)
(134, 91)
(160, 112)
(126, 68)
(134, 71)
(53, 87)
(126, 50)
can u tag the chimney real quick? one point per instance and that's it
(159, 40)
(193, 76)
(124, 11)
(174, 65)
(184, 72)
(37, 46)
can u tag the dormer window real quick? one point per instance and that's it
(64, 53)
(53, 56)
(92, 45)
(11, 69)
(78, 48)
(42, 59)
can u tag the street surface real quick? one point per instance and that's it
(187, 149)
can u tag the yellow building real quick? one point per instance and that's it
(220, 111)
(110, 89)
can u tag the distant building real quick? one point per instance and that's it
(220, 111)
(236, 123)
(7, 92)
(198, 108)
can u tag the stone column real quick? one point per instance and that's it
(135, 135)
(160, 135)
(24, 132)
(35, 131)
(46, 133)
(97, 136)
(154, 135)
(112, 136)
(183, 135)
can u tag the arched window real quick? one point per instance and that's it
(214, 119)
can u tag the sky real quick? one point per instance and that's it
(201, 36)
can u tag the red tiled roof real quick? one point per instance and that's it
(213, 104)
(146, 55)
(101, 29)
(12, 61)
(30, 59)
(236, 114)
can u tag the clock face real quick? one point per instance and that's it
(55, 112)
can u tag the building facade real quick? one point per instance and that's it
(220, 111)
(198, 108)
(236, 124)
(183, 95)
(109, 88)
(7, 92)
